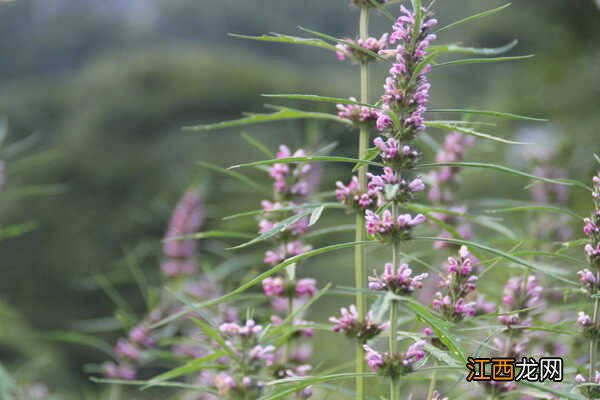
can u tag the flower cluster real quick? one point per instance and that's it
(349, 324)
(389, 228)
(457, 286)
(291, 180)
(391, 187)
(353, 49)
(398, 281)
(407, 88)
(243, 342)
(280, 287)
(519, 298)
(179, 262)
(179, 255)
(351, 195)
(396, 155)
(591, 390)
(292, 184)
(591, 227)
(357, 113)
(395, 365)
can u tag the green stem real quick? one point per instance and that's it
(359, 255)
(432, 384)
(395, 382)
(594, 341)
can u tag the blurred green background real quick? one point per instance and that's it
(106, 87)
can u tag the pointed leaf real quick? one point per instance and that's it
(474, 17)
(280, 114)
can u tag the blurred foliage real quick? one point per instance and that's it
(107, 88)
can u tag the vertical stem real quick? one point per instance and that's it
(359, 255)
(394, 382)
(432, 384)
(594, 341)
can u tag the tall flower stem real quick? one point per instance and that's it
(394, 382)
(594, 340)
(359, 255)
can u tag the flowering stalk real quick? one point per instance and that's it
(292, 184)
(590, 279)
(359, 252)
(403, 102)
(179, 264)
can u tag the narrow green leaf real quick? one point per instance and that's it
(233, 174)
(278, 228)
(347, 43)
(258, 279)
(83, 340)
(501, 168)
(279, 38)
(451, 127)
(179, 385)
(12, 231)
(190, 367)
(283, 209)
(384, 11)
(537, 207)
(502, 254)
(489, 113)
(304, 381)
(439, 326)
(214, 335)
(280, 114)
(320, 99)
(258, 145)
(288, 160)
(473, 17)
(482, 60)
(214, 234)
(316, 215)
(455, 48)
(416, 5)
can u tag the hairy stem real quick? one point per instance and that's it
(394, 383)
(359, 255)
(432, 384)
(594, 341)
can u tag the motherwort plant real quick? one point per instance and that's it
(265, 354)
(590, 278)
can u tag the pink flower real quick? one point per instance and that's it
(140, 334)
(371, 44)
(373, 358)
(356, 113)
(306, 287)
(398, 281)
(584, 320)
(415, 353)
(126, 349)
(273, 286)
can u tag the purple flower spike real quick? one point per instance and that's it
(350, 51)
(407, 89)
(398, 281)
(350, 325)
(374, 359)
